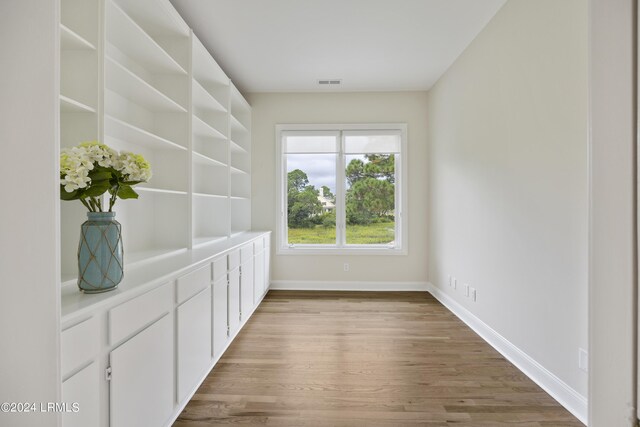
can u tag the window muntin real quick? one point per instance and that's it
(353, 211)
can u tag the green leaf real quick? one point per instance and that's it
(100, 176)
(64, 195)
(126, 192)
(97, 189)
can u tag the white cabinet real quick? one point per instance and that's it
(220, 302)
(79, 344)
(192, 283)
(267, 262)
(157, 344)
(261, 266)
(247, 301)
(259, 281)
(133, 315)
(233, 276)
(141, 390)
(194, 341)
(82, 389)
(234, 301)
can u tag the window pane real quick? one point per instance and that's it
(310, 144)
(371, 143)
(311, 188)
(370, 198)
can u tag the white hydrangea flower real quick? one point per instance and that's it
(75, 165)
(133, 166)
(99, 153)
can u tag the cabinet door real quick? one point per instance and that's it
(79, 345)
(246, 289)
(258, 283)
(82, 388)
(194, 341)
(220, 335)
(267, 263)
(141, 391)
(234, 301)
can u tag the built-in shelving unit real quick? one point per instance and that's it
(70, 40)
(136, 77)
(210, 147)
(147, 116)
(240, 162)
(80, 104)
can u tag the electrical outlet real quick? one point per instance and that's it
(583, 359)
(346, 266)
(473, 294)
(455, 283)
(466, 290)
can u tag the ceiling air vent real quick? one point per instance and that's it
(330, 82)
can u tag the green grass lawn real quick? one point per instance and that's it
(383, 232)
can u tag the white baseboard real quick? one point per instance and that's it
(573, 401)
(320, 285)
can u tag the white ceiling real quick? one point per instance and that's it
(372, 45)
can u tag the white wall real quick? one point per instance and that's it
(612, 281)
(508, 180)
(270, 109)
(29, 291)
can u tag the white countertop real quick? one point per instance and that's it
(146, 275)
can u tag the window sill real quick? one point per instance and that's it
(319, 250)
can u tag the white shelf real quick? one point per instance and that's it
(150, 255)
(201, 158)
(212, 196)
(131, 259)
(238, 171)
(206, 240)
(240, 214)
(237, 124)
(128, 132)
(202, 128)
(68, 280)
(157, 17)
(238, 103)
(127, 84)
(207, 71)
(203, 99)
(159, 190)
(235, 147)
(68, 105)
(70, 40)
(124, 33)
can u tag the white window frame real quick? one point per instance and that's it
(401, 183)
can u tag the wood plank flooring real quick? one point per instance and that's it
(365, 359)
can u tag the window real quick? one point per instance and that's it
(341, 189)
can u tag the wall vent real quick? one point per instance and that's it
(330, 82)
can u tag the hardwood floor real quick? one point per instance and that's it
(365, 359)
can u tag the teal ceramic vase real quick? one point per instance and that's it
(100, 255)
